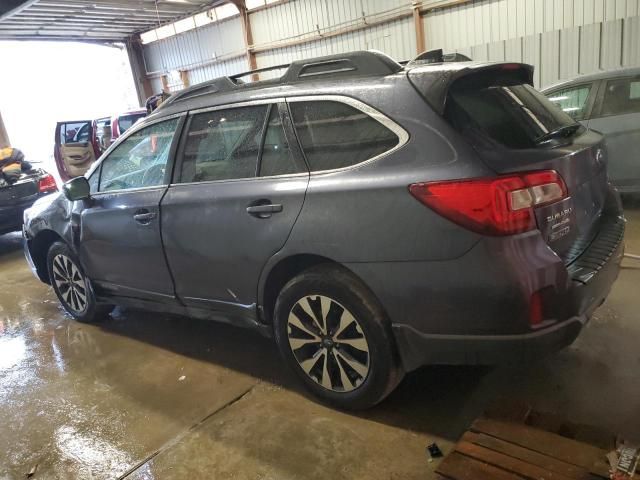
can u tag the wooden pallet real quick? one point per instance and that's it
(504, 450)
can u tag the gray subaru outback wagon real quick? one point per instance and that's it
(372, 217)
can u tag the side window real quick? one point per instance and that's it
(621, 96)
(141, 160)
(223, 144)
(74, 132)
(573, 101)
(336, 135)
(277, 158)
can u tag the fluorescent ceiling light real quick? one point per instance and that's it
(227, 10)
(148, 37)
(184, 25)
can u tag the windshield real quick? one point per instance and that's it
(517, 116)
(126, 121)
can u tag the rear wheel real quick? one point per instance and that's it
(71, 285)
(333, 333)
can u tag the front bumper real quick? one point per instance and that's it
(592, 275)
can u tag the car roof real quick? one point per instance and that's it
(602, 75)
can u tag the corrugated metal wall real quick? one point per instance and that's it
(561, 38)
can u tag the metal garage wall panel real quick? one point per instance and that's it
(569, 52)
(513, 50)
(611, 45)
(631, 42)
(196, 46)
(496, 52)
(531, 54)
(561, 38)
(220, 69)
(549, 57)
(590, 48)
(396, 39)
(300, 18)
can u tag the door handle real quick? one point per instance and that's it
(263, 210)
(144, 217)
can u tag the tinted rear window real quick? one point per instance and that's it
(515, 116)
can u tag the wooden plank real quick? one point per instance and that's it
(458, 467)
(541, 460)
(591, 458)
(505, 462)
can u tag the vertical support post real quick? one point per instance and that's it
(184, 77)
(165, 84)
(136, 62)
(419, 26)
(248, 35)
(4, 136)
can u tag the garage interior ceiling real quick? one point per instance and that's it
(97, 20)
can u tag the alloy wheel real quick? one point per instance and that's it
(328, 343)
(70, 283)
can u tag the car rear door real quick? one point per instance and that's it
(239, 185)
(74, 152)
(617, 115)
(120, 246)
(577, 101)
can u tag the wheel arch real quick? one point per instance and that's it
(38, 248)
(287, 268)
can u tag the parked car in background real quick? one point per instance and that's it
(75, 149)
(608, 102)
(15, 198)
(372, 217)
(79, 143)
(122, 122)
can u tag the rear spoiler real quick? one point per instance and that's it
(434, 82)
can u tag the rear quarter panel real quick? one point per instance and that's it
(365, 213)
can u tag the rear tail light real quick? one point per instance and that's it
(493, 206)
(47, 184)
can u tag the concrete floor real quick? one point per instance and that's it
(146, 396)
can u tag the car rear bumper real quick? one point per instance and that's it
(592, 276)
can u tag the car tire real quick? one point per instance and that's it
(72, 287)
(335, 335)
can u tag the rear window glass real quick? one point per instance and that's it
(336, 135)
(126, 121)
(516, 116)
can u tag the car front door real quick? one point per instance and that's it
(120, 246)
(240, 182)
(617, 115)
(74, 152)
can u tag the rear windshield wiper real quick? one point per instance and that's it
(562, 132)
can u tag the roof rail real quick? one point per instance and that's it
(353, 64)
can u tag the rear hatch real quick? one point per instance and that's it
(515, 129)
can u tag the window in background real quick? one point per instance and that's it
(621, 96)
(572, 101)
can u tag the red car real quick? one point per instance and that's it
(79, 143)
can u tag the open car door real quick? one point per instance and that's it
(74, 151)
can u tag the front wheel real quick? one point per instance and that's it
(71, 285)
(333, 333)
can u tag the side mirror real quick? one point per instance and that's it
(77, 189)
